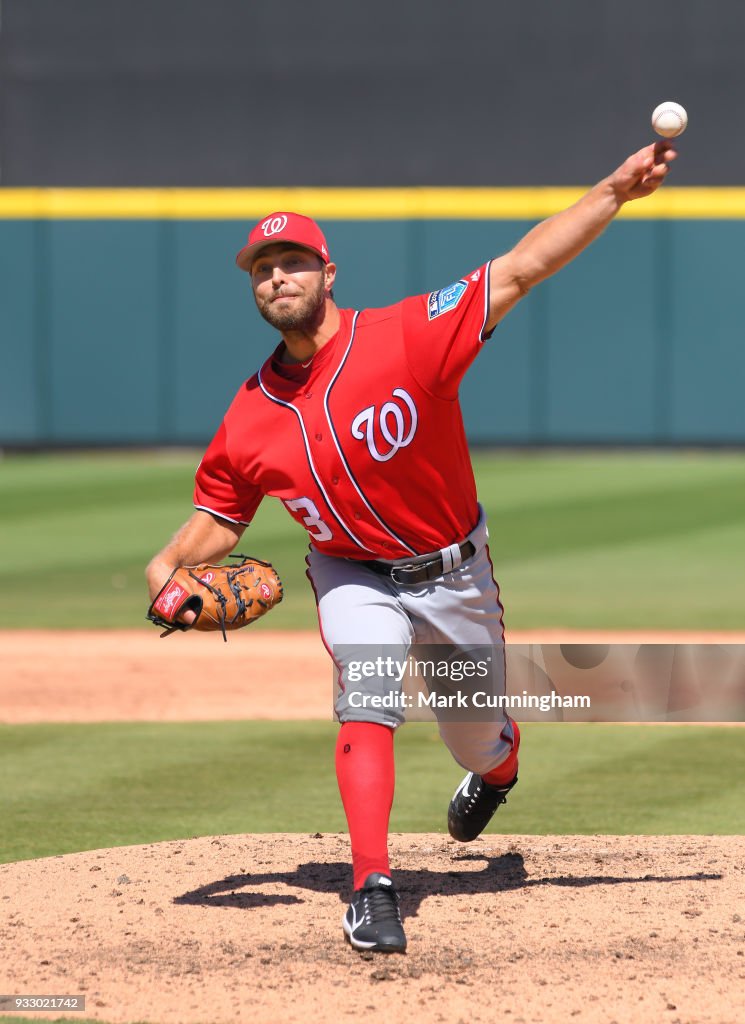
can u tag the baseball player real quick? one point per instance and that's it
(353, 423)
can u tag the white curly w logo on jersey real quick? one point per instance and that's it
(392, 424)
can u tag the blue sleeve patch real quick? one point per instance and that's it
(446, 299)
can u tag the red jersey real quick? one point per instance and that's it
(365, 446)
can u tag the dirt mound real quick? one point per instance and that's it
(248, 928)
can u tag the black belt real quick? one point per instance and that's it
(418, 572)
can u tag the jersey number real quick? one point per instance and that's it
(313, 523)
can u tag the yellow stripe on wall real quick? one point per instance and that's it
(352, 203)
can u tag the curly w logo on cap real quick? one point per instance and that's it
(283, 227)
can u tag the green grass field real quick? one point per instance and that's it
(578, 540)
(611, 540)
(65, 788)
(4, 1019)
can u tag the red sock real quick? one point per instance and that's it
(507, 770)
(365, 773)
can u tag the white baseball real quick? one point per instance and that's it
(669, 119)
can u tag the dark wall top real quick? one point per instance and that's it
(431, 92)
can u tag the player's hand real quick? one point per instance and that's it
(157, 576)
(644, 172)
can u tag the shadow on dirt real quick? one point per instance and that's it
(499, 874)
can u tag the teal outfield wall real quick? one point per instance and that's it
(139, 331)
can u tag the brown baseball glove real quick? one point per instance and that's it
(222, 596)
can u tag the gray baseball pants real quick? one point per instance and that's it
(357, 608)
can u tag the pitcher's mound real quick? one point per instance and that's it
(248, 928)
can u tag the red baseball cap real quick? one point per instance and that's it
(283, 227)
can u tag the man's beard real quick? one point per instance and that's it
(304, 314)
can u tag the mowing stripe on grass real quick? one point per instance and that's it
(618, 540)
(65, 788)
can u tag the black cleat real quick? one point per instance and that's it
(473, 805)
(373, 921)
